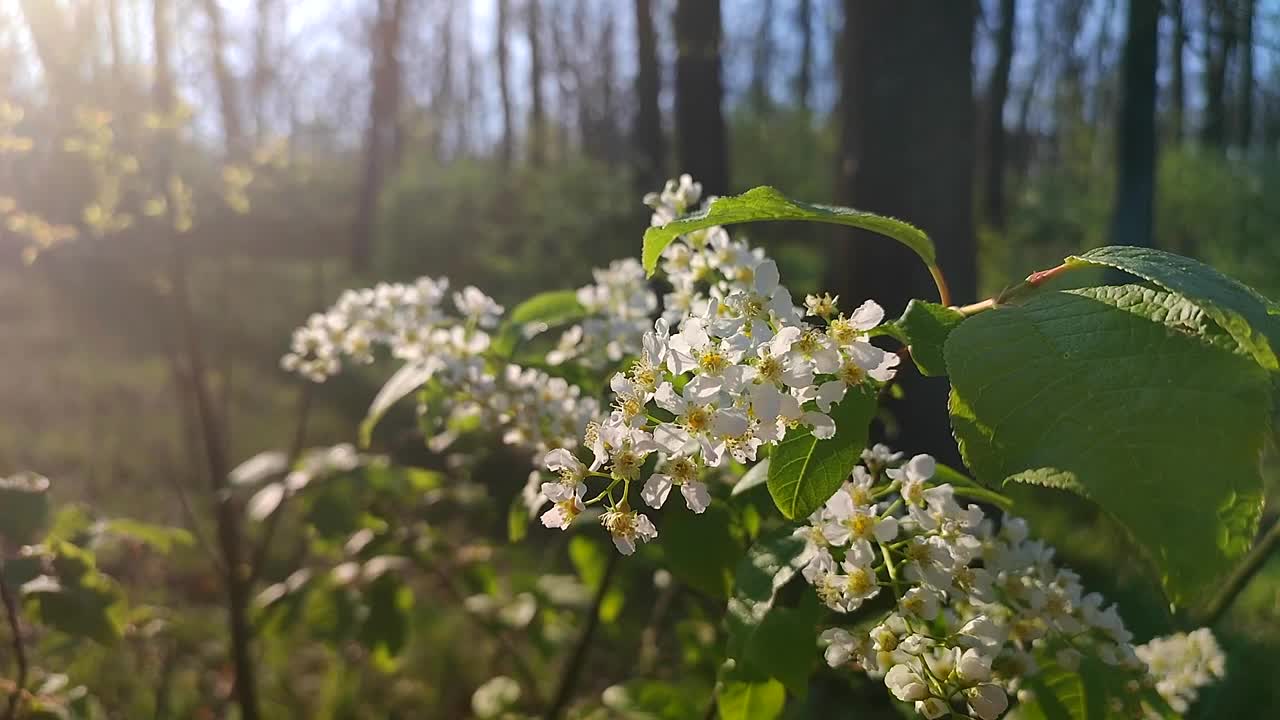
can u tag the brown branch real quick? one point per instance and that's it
(1239, 579)
(19, 648)
(573, 667)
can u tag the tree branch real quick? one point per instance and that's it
(573, 668)
(19, 648)
(1239, 580)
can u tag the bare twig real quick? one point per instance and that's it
(19, 647)
(573, 667)
(259, 558)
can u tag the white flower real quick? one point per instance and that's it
(933, 708)
(475, 305)
(973, 666)
(568, 504)
(920, 602)
(845, 520)
(682, 471)
(815, 557)
(626, 527)
(988, 702)
(841, 646)
(905, 683)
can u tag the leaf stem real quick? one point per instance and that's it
(19, 648)
(944, 291)
(1032, 283)
(1239, 579)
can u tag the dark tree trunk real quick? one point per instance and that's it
(380, 136)
(262, 69)
(162, 93)
(113, 37)
(650, 147)
(507, 146)
(906, 149)
(1219, 39)
(1178, 83)
(700, 127)
(228, 99)
(762, 61)
(1248, 11)
(804, 71)
(997, 95)
(444, 99)
(1133, 221)
(537, 116)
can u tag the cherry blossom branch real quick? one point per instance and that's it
(19, 648)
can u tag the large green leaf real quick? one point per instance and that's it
(1093, 691)
(766, 204)
(557, 307)
(408, 378)
(767, 641)
(804, 472)
(1250, 318)
(744, 700)
(1131, 396)
(925, 326)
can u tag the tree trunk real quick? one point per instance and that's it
(907, 123)
(998, 94)
(49, 28)
(380, 136)
(650, 146)
(700, 128)
(506, 148)
(1136, 168)
(804, 71)
(537, 118)
(1178, 83)
(162, 92)
(262, 68)
(117, 52)
(1219, 38)
(1248, 11)
(227, 97)
(762, 60)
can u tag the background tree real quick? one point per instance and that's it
(649, 145)
(700, 126)
(1136, 170)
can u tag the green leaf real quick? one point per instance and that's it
(1250, 318)
(160, 538)
(88, 606)
(753, 478)
(1094, 691)
(24, 507)
(701, 550)
(655, 700)
(804, 472)
(756, 628)
(407, 379)
(926, 326)
(518, 519)
(767, 204)
(558, 307)
(741, 700)
(1130, 396)
(386, 627)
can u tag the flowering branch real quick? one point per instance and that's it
(19, 648)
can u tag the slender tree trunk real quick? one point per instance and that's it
(762, 60)
(228, 98)
(507, 146)
(804, 70)
(262, 68)
(117, 52)
(1219, 38)
(537, 116)
(380, 136)
(1178, 83)
(49, 28)
(907, 122)
(1247, 80)
(700, 126)
(650, 146)
(162, 92)
(998, 94)
(1134, 220)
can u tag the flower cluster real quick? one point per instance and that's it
(447, 351)
(1183, 663)
(731, 366)
(976, 607)
(619, 308)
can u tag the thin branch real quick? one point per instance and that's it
(19, 648)
(573, 668)
(1239, 580)
(1032, 283)
(259, 558)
